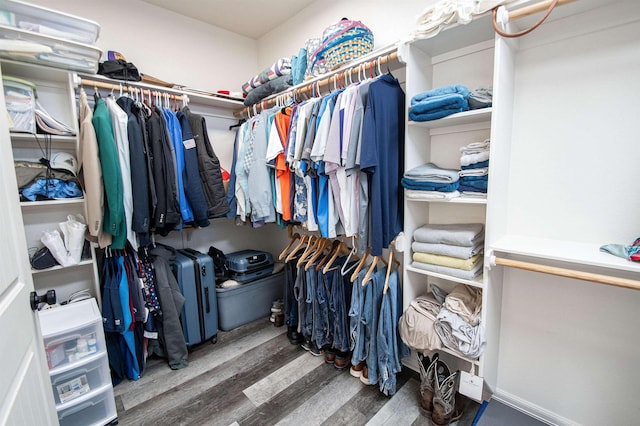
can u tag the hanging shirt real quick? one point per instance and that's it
(175, 135)
(282, 124)
(381, 154)
(114, 217)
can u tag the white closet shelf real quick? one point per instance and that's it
(588, 254)
(30, 137)
(466, 117)
(458, 355)
(49, 203)
(457, 200)
(83, 262)
(446, 277)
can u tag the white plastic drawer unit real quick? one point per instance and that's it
(71, 383)
(71, 333)
(95, 408)
(49, 22)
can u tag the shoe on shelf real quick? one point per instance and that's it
(343, 360)
(356, 370)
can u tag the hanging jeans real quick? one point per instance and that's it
(290, 302)
(339, 303)
(322, 325)
(300, 293)
(356, 331)
(369, 320)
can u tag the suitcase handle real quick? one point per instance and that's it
(258, 258)
(206, 297)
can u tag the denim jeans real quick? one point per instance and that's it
(290, 302)
(323, 332)
(390, 347)
(339, 303)
(300, 293)
(370, 316)
(311, 306)
(356, 330)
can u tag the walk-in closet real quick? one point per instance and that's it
(319, 212)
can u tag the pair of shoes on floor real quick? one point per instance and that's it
(311, 347)
(343, 360)
(294, 337)
(439, 397)
(356, 370)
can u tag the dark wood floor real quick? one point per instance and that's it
(254, 376)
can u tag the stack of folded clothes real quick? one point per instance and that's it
(430, 181)
(439, 103)
(458, 322)
(272, 80)
(450, 320)
(474, 176)
(482, 97)
(452, 249)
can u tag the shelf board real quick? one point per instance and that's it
(457, 200)
(466, 117)
(458, 355)
(30, 137)
(446, 277)
(83, 262)
(49, 203)
(67, 366)
(588, 254)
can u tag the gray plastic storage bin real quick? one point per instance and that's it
(248, 302)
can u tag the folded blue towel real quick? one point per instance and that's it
(484, 178)
(429, 186)
(467, 188)
(441, 91)
(51, 188)
(480, 184)
(479, 165)
(432, 173)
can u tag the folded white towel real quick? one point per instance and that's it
(430, 195)
(467, 159)
(483, 171)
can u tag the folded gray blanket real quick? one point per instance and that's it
(276, 85)
(459, 234)
(432, 173)
(460, 252)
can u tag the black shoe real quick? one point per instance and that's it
(306, 344)
(294, 337)
(315, 350)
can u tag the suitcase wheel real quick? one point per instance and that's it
(214, 339)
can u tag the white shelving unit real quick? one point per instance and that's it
(78, 364)
(459, 55)
(56, 93)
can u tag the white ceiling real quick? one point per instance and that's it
(251, 18)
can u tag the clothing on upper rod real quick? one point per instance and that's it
(332, 168)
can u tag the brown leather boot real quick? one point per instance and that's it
(428, 373)
(447, 407)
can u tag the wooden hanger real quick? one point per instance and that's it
(305, 239)
(356, 271)
(328, 261)
(331, 254)
(374, 262)
(293, 237)
(311, 246)
(389, 264)
(319, 250)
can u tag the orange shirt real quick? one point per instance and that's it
(282, 121)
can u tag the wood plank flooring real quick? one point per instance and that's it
(254, 376)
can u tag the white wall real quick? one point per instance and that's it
(166, 45)
(388, 20)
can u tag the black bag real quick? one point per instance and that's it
(119, 70)
(219, 262)
(43, 259)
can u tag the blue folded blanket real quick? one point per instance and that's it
(484, 178)
(438, 103)
(429, 186)
(468, 188)
(479, 165)
(480, 184)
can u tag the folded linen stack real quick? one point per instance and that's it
(439, 103)
(458, 322)
(431, 181)
(452, 249)
(274, 79)
(474, 162)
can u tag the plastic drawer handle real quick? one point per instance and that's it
(79, 408)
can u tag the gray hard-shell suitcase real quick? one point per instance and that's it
(249, 265)
(195, 275)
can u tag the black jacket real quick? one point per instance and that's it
(209, 166)
(167, 214)
(191, 176)
(139, 176)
